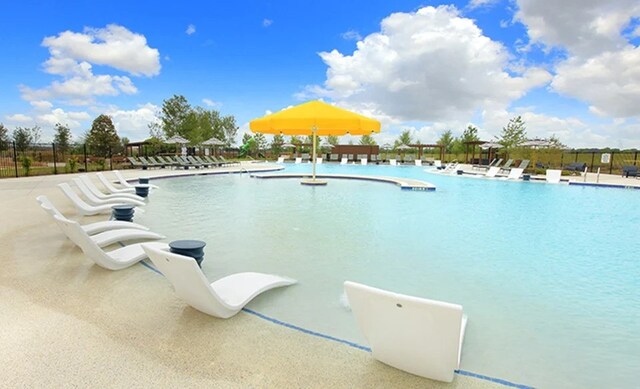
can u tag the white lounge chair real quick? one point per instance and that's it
(515, 173)
(418, 162)
(126, 184)
(113, 260)
(393, 162)
(344, 161)
(93, 200)
(363, 161)
(82, 207)
(437, 163)
(298, 160)
(112, 189)
(553, 176)
(99, 194)
(420, 336)
(109, 237)
(91, 228)
(493, 170)
(280, 159)
(222, 298)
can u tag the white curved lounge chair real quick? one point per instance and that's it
(99, 194)
(418, 162)
(82, 207)
(126, 184)
(493, 170)
(393, 162)
(112, 189)
(363, 161)
(553, 176)
(420, 336)
(344, 161)
(280, 159)
(515, 173)
(222, 298)
(94, 200)
(92, 228)
(113, 260)
(318, 160)
(298, 160)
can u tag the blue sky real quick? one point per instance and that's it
(569, 68)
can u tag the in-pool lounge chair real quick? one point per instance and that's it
(91, 228)
(109, 236)
(553, 176)
(418, 162)
(117, 259)
(109, 186)
(393, 162)
(222, 298)
(318, 160)
(93, 200)
(363, 161)
(420, 336)
(515, 173)
(81, 206)
(298, 160)
(126, 184)
(438, 164)
(493, 170)
(344, 161)
(94, 189)
(280, 159)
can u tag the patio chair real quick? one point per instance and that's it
(437, 163)
(156, 162)
(629, 171)
(393, 162)
(507, 165)
(149, 163)
(81, 206)
(298, 160)
(136, 164)
(186, 161)
(109, 186)
(553, 176)
(126, 184)
(93, 200)
(102, 196)
(216, 162)
(117, 259)
(524, 164)
(318, 160)
(166, 161)
(108, 237)
(515, 173)
(223, 298)
(280, 159)
(492, 172)
(363, 161)
(417, 335)
(91, 228)
(576, 167)
(195, 161)
(418, 162)
(344, 161)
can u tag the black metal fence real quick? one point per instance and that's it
(51, 158)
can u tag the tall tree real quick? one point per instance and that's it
(4, 137)
(513, 134)
(470, 134)
(404, 139)
(276, 144)
(367, 140)
(62, 138)
(446, 140)
(102, 137)
(22, 138)
(333, 140)
(173, 116)
(261, 141)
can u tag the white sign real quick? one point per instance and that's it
(605, 158)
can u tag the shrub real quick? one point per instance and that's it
(26, 165)
(72, 164)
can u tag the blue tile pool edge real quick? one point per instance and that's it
(356, 345)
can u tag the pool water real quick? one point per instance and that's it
(547, 274)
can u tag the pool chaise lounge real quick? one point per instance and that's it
(126, 184)
(553, 176)
(91, 228)
(84, 208)
(420, 336)
(492, 172)
(107, 196)
(94, 200)
(117, 259)
(109, 186)
(222, 298)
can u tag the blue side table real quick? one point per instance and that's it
(142, 190)
(189, 248)
(143, 180)
(123, 212)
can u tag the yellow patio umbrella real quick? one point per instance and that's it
(315, 118)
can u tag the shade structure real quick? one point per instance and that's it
(288, 145)
(490, 145)
(177, 139)
(213, 142)
(315, 118)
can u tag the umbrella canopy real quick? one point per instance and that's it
(285, 145)
(325, 118)
(490, 145)
(177, 139)
(404, 147)
(315, 118)
(213, 142)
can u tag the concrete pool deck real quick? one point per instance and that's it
(69, 323)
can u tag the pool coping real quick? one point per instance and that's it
(403, 183)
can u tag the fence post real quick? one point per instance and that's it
(611, 162)
(55, 169)
(110, 159)
(84, 146)
(576, 157)
(593, 155)
(15, 157)
(561, 160)
(635, 158)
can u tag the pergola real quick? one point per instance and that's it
(473, 144)
(139, 145)
(431, 146)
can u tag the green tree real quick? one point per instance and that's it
(4, 137)
(261, 141)
(367, 140)
(62, 138)
(22, 138)
(333, 140)
(403, 139)
(102, 137)
(555, 142)
(246, 137)
(446, 140)
(470, 134)
(173, 116)
(276, 144)
(513, 134)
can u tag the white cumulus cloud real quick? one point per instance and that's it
(351, 35)
(19, 118)
(210, 103)
(267, 22)
(191, 29)
(429, 65)
(134, 123)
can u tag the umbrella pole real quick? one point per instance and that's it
(314, 153)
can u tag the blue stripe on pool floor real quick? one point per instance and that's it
(356, 345)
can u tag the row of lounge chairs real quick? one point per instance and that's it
(179, 161)
(421, 336)
(345, 160)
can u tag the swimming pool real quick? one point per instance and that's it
(546, 273)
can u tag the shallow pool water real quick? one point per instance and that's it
(547, 274)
